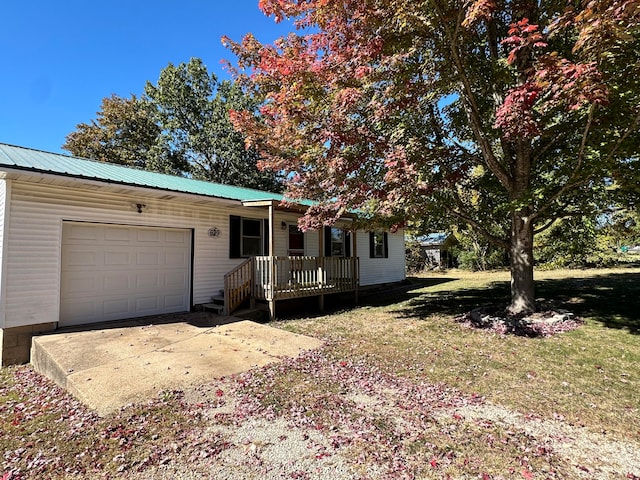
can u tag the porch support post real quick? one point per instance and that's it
(321, 257)
(272, 222)
(272, 262)
(355, 274)
(272, 309)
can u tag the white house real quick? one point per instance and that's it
(83, 242)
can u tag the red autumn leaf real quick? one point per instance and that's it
(219, 393)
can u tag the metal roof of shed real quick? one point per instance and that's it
(27, 159)
(432, 239)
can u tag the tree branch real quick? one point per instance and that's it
(465, 217)
(545, 226)
(471, 106)
(570, 184)
(629, 129)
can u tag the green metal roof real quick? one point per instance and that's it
(30, 160)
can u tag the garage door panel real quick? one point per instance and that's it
(173, 301)
(147, 304)
(83, 259)
(147, 280)
(176, 259)
(77, 312)
(118, 235)
(115, 308)
(114, 282)
(81, 233)
(104, 281)
(152, 236)
(147, 258)
(175, 279)
(116, 258)
(176, 236)
(81, 284)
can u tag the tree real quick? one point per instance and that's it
(181, 126)
(193, 111)
(500, 114)
(125, 132)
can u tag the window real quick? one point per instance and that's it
(296, 241)
(378, 245)
(337, 242)
(251, 237)
(247, 236)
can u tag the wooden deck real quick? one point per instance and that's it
(280, 278)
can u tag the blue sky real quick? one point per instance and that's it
(61, 58)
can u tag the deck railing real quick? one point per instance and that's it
(238, 285)
(279, 278)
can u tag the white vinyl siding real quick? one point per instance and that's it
(34, 241)
(32, 244)
(4, 207)
(113, 272)
(382, 270)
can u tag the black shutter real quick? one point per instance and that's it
(327, 241)
(235, 242)
(372, 245)
(386, 245)
(265, 237)
(347, 244)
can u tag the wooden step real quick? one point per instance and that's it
(213, 306)
(217, 298)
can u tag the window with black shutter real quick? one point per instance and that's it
(337, 242)
(247, 236)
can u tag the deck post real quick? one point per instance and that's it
(321, 303)
(355, 267)
(272, 262)
(272, 309)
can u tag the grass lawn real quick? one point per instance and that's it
(589, 376)
(400, 391)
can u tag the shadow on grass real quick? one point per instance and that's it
(376, 296)
(611, 299)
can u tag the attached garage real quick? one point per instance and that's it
(113, 272)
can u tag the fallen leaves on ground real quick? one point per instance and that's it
(345, 413)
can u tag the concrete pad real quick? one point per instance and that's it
(109, 368)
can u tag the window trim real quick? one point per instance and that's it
(328, 242)
(375, 244)
(298, 251)
(243, 236)
(236, 237)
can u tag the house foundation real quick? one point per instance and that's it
(15, 343)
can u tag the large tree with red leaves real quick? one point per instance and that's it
(504, 115)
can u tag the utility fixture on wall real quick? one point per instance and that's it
(140, 207)
(283, 225)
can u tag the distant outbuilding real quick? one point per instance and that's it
(437, 247)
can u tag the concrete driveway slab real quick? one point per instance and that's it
(109, 368)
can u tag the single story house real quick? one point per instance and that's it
(437, 248)
(83, 242)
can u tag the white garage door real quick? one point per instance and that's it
(111, 272)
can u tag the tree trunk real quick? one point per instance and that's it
(521, 263)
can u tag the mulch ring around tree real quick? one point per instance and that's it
(544, 323)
